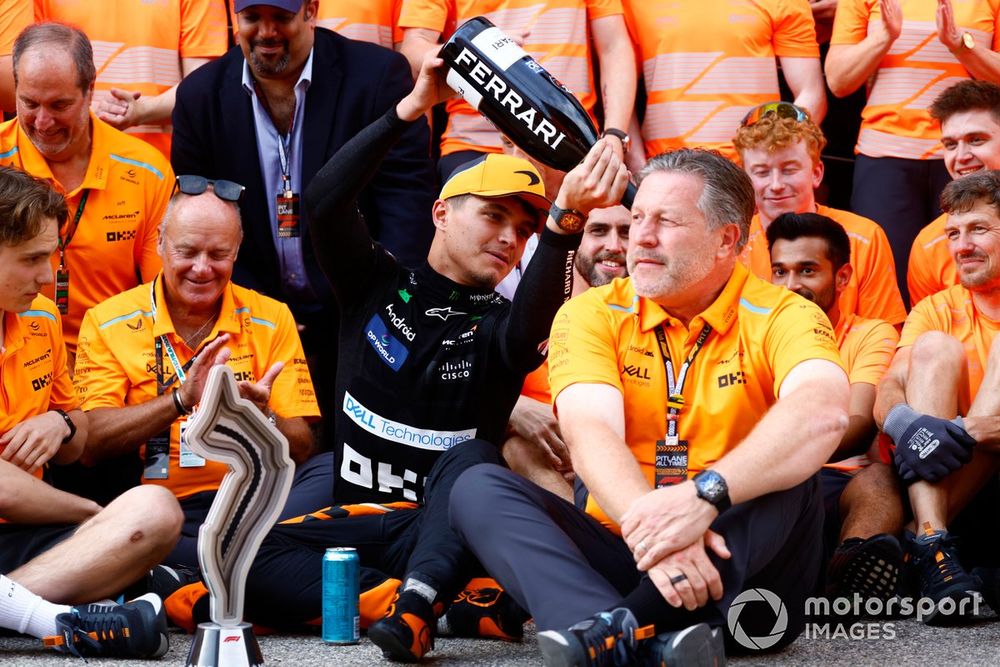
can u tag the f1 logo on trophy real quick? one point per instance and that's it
(232, 430)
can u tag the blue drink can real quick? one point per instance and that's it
(341, 574)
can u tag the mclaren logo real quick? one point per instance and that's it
(531, 176)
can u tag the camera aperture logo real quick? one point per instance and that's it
(780, 619)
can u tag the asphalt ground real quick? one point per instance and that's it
(883, 643)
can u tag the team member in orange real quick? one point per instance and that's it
(780, 148)
(558, 33)
(700, 83)
(15, 16)
(58, 549)
(741, 361)
(810, 255)
(534, 447)
(948, 364)
(910, 50)
(141, 51)
(116, 186)
(969, 114)
(145, 355)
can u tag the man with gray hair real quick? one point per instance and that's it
(688, 496)
(144, 356)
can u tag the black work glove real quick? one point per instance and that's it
(927, 447)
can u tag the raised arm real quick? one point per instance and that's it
(849, 66)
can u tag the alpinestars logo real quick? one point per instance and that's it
(443, 313)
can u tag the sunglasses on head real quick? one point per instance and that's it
(779, 109)
(195, 185)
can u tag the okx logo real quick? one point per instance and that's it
(766, 605)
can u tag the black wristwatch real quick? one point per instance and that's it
(622, 136)
(69, 422)
(568, 219)
(711, 487)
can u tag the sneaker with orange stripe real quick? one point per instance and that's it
(608, 638)
(932, 559)
(406, 633)
(137, 629)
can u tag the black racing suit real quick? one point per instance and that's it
(428, 373)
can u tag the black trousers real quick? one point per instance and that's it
(562, 566)
(285, 584)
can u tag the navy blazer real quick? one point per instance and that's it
(353, 84)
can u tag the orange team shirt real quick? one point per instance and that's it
(129, 183)
(706, 64)
(931, 267)
(116, 365)
(557, 37)
(866, 348)
(138, 44)
(872, 291)
(952, 311)
(34, 377)
(375, 21)
(918, 67)
(760, 332)
(15, 16)
(536, 384)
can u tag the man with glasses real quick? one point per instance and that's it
(779, 147)
(145, 355)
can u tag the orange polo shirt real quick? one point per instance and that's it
(116, 365)
(138, 46)
(872, 291)
(952, 311)
(705, 64)
(760, 332)
(15, 16)
(918, 67)
(34, 377)
(931, 267)
(866, 348)
(557, 37)
(114, 246)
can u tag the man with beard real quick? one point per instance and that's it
(969, 114)
(693, 494)
(534, 447)
(939, 399)
(810, 255)
(268, 115)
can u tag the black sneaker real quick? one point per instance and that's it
(868, 567)
(136, 629)
(485, 610)
(933, 559)
(606, 638)
(990, 576)
(405, 634)
(695, 646)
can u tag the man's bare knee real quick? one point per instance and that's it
(148, 513)
(935, 349)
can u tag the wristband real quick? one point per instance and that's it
(69, 422)
(178, 403)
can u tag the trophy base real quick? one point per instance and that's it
(216, 645)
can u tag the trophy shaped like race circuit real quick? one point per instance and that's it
(230, 429)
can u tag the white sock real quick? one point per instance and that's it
(425, 591)
(22, 610)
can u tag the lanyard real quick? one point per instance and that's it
(675, 401)
(159, 344)
(284, 143)
(71, 230)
